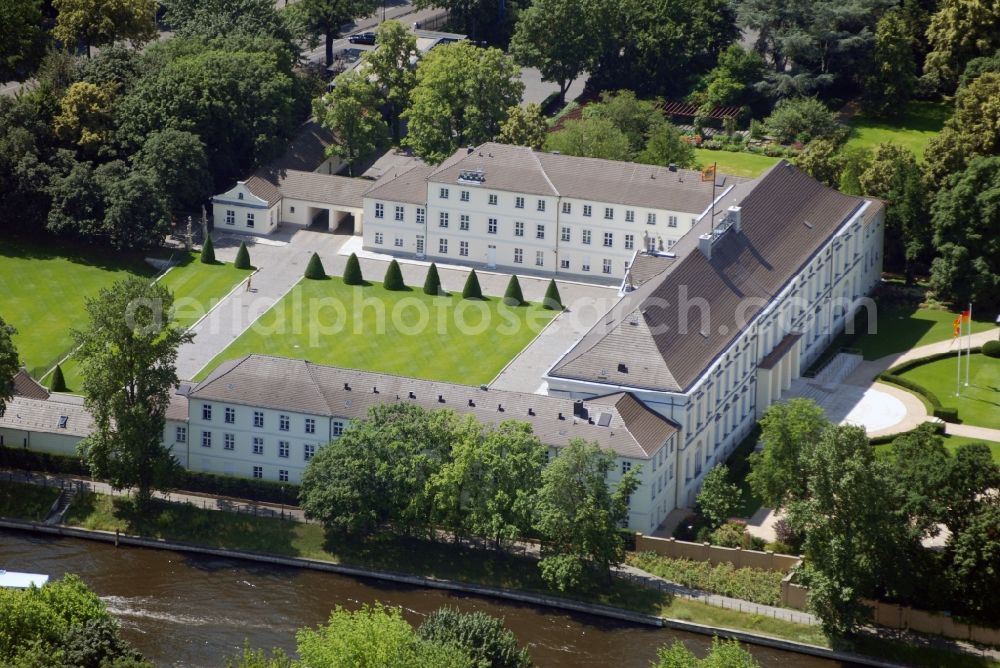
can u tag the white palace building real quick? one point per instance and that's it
(747, 291)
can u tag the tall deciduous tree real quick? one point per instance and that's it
(579, 516)
(724, 654)
(718, 498)
(665, 147)
(483, 638)
(22, 38)
(9, 363)
(789, 431)
(136, 214)
(975, 573)
(732, 81)
(977, 114)
(525, 126)
(322, 19)
(127, 354)
(101, 22)
(959, 31)
(592, 138)
(177, 161)
(562, 38)
(461, 98)
(85, 116)
(350, 112)
(893, 75)
(393, 66)
(214, 18)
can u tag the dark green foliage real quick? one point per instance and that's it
(890, 84)
(30, 460)
(314, 269)
(432, 284)
(802, 119)
(393, 277)
(991, 348)
(208, 251)
(352, 271)
(483, 638)
(946, 413)
(513, 296)
(242, 257)
(718, 498)
(749, 584)
(472, 289)
(178, 161)
(97, 643)
(9, 363)
(731, 534)
(58, 382)
(552, 300)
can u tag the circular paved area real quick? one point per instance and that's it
(875, 411)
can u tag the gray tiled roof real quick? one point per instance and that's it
(307, 150)
(263, 188)
(407, 185)
(507, 167)
(633, 430)
(774, 245)
(26, 386)
(24, 413)
(323, 188)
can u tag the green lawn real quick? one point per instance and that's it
(737, 164)
(920, 122)
(900, 328)
(979, 403)
(25, 501)
(407, 333)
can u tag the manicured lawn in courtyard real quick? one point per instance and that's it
(406, 333)
(900, 328)
(30, 502)
(979, 403)
(920, 122)
(731, 162)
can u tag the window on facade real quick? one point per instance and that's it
(283, 423)
(443, 246)
(463, 222)
(206, 412)
(379, 210)
(539, 258)
(308, 451)
(230, 415)
(491, 226)
(283, 449)
(609, 213)
(229, 442)
(518, 202)
(230, 217)
(564, 264)
(518, 229)
(609, 239)
(585, 266)
(492, 200)
(398, 242)
(310, 425)
(587, 210)
(518, 255)
(399, 213)
(443, 193)
(258, 472)
(338, 428)
(181, 435)
(606, 268)
(539, 231)
(629, 241)
(258, 445)
(282, 475)
(651, 219)
(464, 196)
(567, 207)
(239, 196)
(586, 237)
(379, 239)
(206, 439)
(291, 209)
(421, 215)
(671, 221)
(258, 419)
(541, 205)
(442, 219)
(565, 234)
(463, 248)
(629, 216)
(693, 220)
(671, 471)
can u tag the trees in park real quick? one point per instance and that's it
(127, 353)
(352, 271)
(350, 112)
(823, 160)
(732, 81)
(215, 18)
(959, 31)
(393, 279)
(471, 290)
(977, 114)
(480, 19)
(552, 300)
(102, 22)
(482, 638)
(578, 515)
(432, 284)
(525, 126)
(801, 119)
(513, 296)
(718, 498)
(975, 555)
(393, 66)
(242, 260)
(23, 38)
(322, 19)
(561, 38)
(789, 430)
(84, 117)
(461, 98)
(177, 160)
(591, 138)
(9, 363)
(314, 270)
(893, 76)
(665, 147)
(723, 654)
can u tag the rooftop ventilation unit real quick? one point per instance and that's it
(579, 410)
(622, 367)
(347, 387)
(472, 404)
(604, 419)
(440, 398)
(474, 176)
(412, 395)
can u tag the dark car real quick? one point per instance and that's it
(362, 38)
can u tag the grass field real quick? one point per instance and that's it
(920, 122)
(407, 333)
(979, 403)
(737, 164)
(25, 501)
(899, 329)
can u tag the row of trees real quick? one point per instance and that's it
(860, 518)
(419, 472)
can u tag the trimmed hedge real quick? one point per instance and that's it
(937, 427)
(513, 295)
(352, 271)
(552, 300)
(432, 284)
(991, 349)
(315, 270)
(32, 460)
(912, 364)
(946, 413)
(472, 289)
(393, 277)
(207, 252)
(58, 382)
(908, 384)
(242, 257)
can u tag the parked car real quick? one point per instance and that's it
(362, 38)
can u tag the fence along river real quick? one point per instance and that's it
(193, 611)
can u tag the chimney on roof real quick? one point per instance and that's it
(672, 167)
(578, 409)
(472, 404)
(500, 408)
(561, 416)
(622, 368)
(374, 390)
(412, 395)
(531, 411)
(440, 398)
(470, 150)
(705, 245)
(347, 387)
(736, 217)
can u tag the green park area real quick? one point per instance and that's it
(979, 402)
(22, 500)
(735, 163)
(444, 338)
(913, 129)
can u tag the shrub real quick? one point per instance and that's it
(802, 119)
(750, 584)
(483, 638)
(314, 269)
(472, 289)
(58, 382)
(432, 284)
(731, 534)
(393, 277)
(352, 271)
(780, 548)
(552, 300)
(242, 257)
(991, 349)
(946, 413)
(207, 251)
(757, 129)
(513, 295)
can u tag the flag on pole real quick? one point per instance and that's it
(957, 327)
(708, 174)
(967, 317)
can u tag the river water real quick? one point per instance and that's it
(191, 610)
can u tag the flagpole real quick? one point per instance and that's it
(957, 333)
(968, 350)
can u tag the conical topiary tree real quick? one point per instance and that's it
(552, 300)
(432, 284)
(393, 277)
(513, 295)
(472, 289)
(58, 382)
(352, 272)
(207, 252)
(314, 269)
(242, 257)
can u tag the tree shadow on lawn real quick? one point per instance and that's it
(76, 252)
